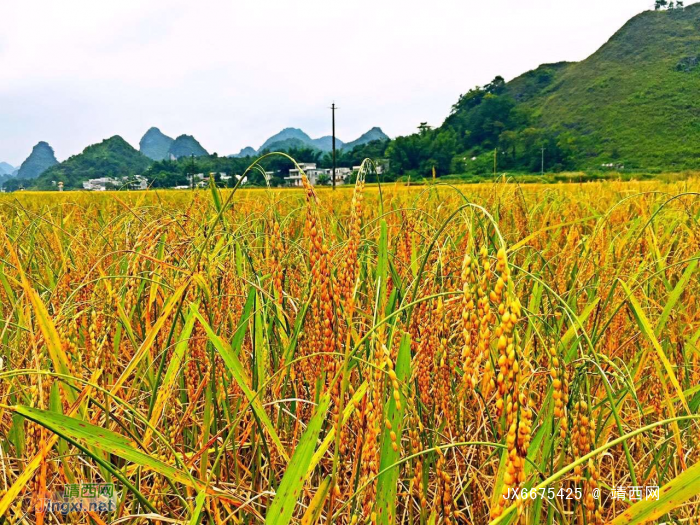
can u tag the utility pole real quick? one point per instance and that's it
(542, 160)
(333, 112)
(495, 156)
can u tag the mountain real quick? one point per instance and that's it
(370, 136)
(634, 102)
(40, 159)
(326, 143)
(288, 144)
(245, 152)
(286, 135)
(295, 138)
(7, 172)
(113, 157)
(6, 169)
(186, 146)
(155, 145)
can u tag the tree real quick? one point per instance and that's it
(323, 179)
(424, 128)
(442, 150)
(507, 143)
(660, 4)
(497, 86)
(406, 153)
(16, 184)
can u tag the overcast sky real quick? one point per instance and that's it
(232, 73)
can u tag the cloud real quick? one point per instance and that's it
(234, 72)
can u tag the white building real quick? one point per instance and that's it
(137, 182)
(199, 180)
(341, 175)
(309, 168)
(100, 184)
(142, 183)
(380, 168)
(313, 174)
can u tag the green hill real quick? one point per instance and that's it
(113, 157)
(633, 104)
(636, 101)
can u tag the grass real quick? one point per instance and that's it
(375, 354)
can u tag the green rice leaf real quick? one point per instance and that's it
(282, 506)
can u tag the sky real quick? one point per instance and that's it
(234, 72)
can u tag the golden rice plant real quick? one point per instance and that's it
(375, 354)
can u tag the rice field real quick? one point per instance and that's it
(415, 355)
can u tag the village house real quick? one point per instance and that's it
(100, 184)
(313, 174)
(380, 168)
(200, 181)
(137, 182)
